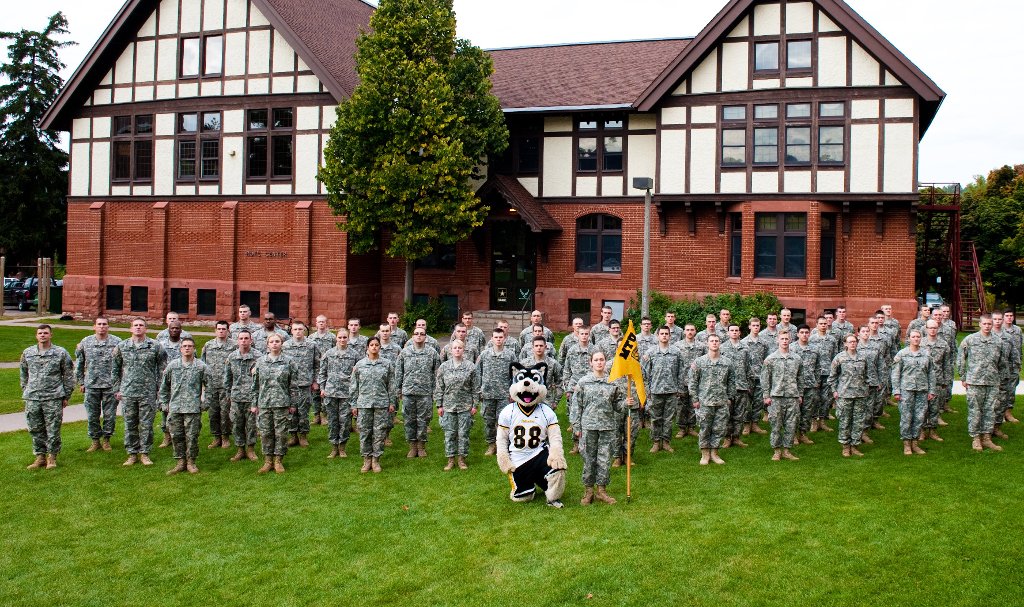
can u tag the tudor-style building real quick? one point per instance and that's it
(782, 141)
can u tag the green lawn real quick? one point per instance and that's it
(13, 340)
(10, 393)
(880, 530)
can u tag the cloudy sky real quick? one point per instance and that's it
(972, 50)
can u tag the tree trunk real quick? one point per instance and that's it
(410, 267)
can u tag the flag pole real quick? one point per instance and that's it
(629, 426)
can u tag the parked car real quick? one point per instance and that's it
(11, 287)
(931, 299)
(27, 296)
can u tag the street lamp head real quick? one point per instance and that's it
(643, 183)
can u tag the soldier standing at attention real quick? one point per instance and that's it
(948, 331)
(259, 338)
(664, 378)
(811, 357)
(712, 387)
(415, 375)
(324, 340)
(536, 318)
(871, 348)
(307, 362)
(690, 349)
(609, 344)
(373, 395)
(475, 339)
(600, 330)
(596, 405)
(739, 356)
(460, 334)
(567, 341)
(510, 341)
(244, 322)
(722, 326)
(942, 362)
(493, 369)
(238, 386)
(913, 385)
(430, 341)
(841, 327)
(274, 382)
(398, 334)
(785, 316)
(334, 377)
(389, 349)
(355, 340)
(181, 396)
(979, 362)
(1013, 331)
(758, 352)
(853, 379)
(171, 342)
(172, 317)
(47, 377)
(1010, 375)
(538, 331)
(783, 380)
(676, 330)
(771, 332)
(553, 376)
(710, 321)
(645, 340)
(94, 361)
(138, 364)
(456, 390)
(919, 323)
(890, 322)
(828, 347)
(577, 364)
(215, 355)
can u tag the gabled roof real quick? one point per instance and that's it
(517, 197)
(839, 12)
(322, 32)
(591, 75)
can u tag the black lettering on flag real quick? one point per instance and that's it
(628, 346)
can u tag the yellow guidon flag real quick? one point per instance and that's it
(627, 363)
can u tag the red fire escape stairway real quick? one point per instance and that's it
(971, 291)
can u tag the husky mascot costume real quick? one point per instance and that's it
(529, 439)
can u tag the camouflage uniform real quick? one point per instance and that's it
(563, 348)
(236, 327)
(334, 376)
(552, 378)
(415, 377)
(664, 380)
(784, 380)
(787, 327)
(136, 375)
(430, 341)
(372, 391)
(526, 335)
(597, 333)
(1011, 375)
(390, 351)
(853, 378)
(173, 351)
(722, 329)
(828, 347)
(181, 392)
(398, 335)
(475, 339)
(712, 385)
(215, 355)
(493, 369)
(577, 364)
(770, 338)
(238, 384)
(307, 363)
(689, 350)
(913, 379)
(358, 343)
(758, 352)
(456, 389)
(47, 380)
(259, 338)
(274, 384)
(1010, 387)
(646, 342)
(609, 345)
(878, 346)
(324, 342)
(676, 333)
(739, 356)
(918, 324)
(596, 406)
(840, 329)
(469, 354)
(527, 353)
(94, 361)
(702, 336)
(811, 357)
(979, 361)
(942, 361)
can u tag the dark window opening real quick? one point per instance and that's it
(580, 308)
(735, 244)
(780, 245)
(140, 299)
(270, 147)
(279, 304)
(442, 258)
(251, 299)
(206, 302)
(599, 244)
(828, 246)
(179, 301)
(115, 297)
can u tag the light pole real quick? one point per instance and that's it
(646, 184)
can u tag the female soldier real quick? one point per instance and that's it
(372, 394)
(334, 377)
(851, 380)
(596, 404)
(273, 384)
(913, 385)
(456, 392)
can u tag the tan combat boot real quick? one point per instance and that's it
(1008, 416)
(239, 455)
(933, 435)
(656, 447)
(715, 458)
(179, 466)
(366, 465)
(667, 447)
(906, 448)
(268, 464)
(462, 463)
(916, 448)
(375, 464)
(787, 454)
(492, 449)
(293, 439)
(105, 443)
(51, 461)
(303, 441)
(617, 462)
(681, 434)
(37, 463)
(726, 442)
(412, 450)
(388, 442)
(814, 425)
(588, 496)
(144, 458)
(225, 442)
(864, 438)
(279, 464)
(131, 461)
(846, 450)
(746, 430)
(602, 496)
(190, 465)
(705, 457)
(996, 432)
(986, 441)
(421, 449)
(250, 453)
(450, 464)
(976, 444)
(942, 422)
(757, 429)
(166, 442)
(94, 447)
(215, 444)
(855, 451)
(316, 420)
(877, 426)
(341, 450)
(777, 455)
(824, 426)
(575, 449)
(805, 440)
(692, 432)
(736, 442)
(334, 452)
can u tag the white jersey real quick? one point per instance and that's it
(527, 434)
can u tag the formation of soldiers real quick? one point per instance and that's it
(260, 381)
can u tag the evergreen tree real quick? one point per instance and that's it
(33, 168)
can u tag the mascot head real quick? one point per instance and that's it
(528, 389)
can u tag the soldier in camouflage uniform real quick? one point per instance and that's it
(430, 341)
(853, 379)
(877, 344)
(493, 369)
(785, 315)
(181, 397)
(593, 415)
(758, 352)
(601, 329)
(610, 343)
(646, 339)
(769, 335)
(948, 331)
(536, 318)
(94, 361)
(577, 364)
(664, 377)
(398, 334)
(415, 376)
(738, 354)
(139, 363)
(809, 405)
(567, 341)
(920, 323)
(215, 355)
(979, 362)
(238, 386)
(676, 330)
(1016, 338)
(510, 340)
(172, 317)
(942, 361)
(259, 338)
(784, 384)
(390, 352)
(456, 390)
(690, 349)
(722, 326)
(890, 335)
(244, 322)
(355, 340)
(468, 352)
(913, 386)
(475, 339)
(307, 362)
(710, 324)
(828, 347)
(526, 353)
(841, 327)
(553, 376)
(47, 379)
(324, 340)
(373, 393)
(712, 386)
(334, 378)
(1010, 375)
(170, 340)
(275, 384)
(890, 322)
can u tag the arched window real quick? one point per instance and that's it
(599, 243)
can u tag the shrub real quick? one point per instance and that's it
(433, 311)
(743, 308)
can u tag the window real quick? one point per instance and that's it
(828, 246)
(528, 155)
(798, 144)
(451, 306)
(251, 299)
(830, 144)
(270, 143)
(132, 148)
(780, 243)
(206, 302)
(766, 57)
(599, 146)
(443, 258)
(206, 52)
(580, 308)
(198, 146)
(115, 297)
(735, 244)
(179, 301)
(599, 244)
(734, 147)
(798, 55)
(140, 299)
(618, 307)
(586, 154)
(734, 112)
(766, 145)
(832, 110)
(278, 304)
(798, 110)
(766, 112)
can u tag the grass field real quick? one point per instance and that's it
(10, 393)
(942, 529)
(13, 340)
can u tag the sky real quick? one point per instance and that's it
(972, 50)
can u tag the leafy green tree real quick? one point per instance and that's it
(993, 217)
(33, 168)
(408, 143)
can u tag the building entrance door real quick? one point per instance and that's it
(513, 265)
